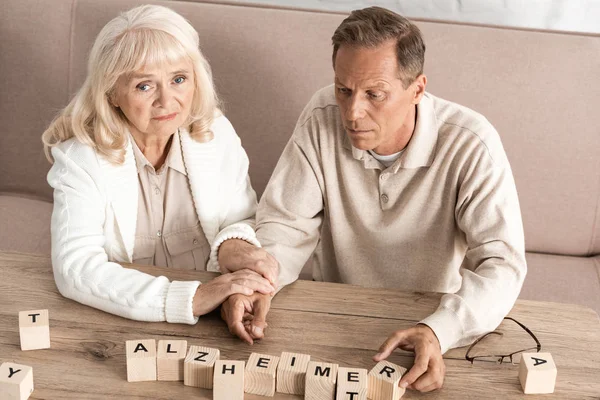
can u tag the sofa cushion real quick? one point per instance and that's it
(25, 224)
(563, 279)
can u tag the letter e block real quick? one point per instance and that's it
(34, 329)
(291, 373)
(199, 365)
(260, 374)
(537, 373)
(320, 381)
(383, 381)
(169, 359)
(352, 384)
(141, 360)
(229, 380)
(16, 381)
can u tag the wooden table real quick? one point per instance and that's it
(332, 322)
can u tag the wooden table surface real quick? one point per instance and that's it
(336, 323)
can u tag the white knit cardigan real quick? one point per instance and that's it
(95, 215)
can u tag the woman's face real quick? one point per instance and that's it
(156, 99)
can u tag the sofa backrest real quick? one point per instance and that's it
(539, 89)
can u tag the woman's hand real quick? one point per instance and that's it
(209, 295)
(237, 254)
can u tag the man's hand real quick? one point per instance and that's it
(428, 371)
(246, 315)
(236, 254)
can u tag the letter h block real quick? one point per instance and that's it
(199, 366)
(229, 380)
(537, 373)
(352, 384)
(34, 329)
(260, 374)
(383, 381)
(16, 381)
(169, 359)
(141, 360)
(321, 378)
(291, 373)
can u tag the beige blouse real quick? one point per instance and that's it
(168, 233)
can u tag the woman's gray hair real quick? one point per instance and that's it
(145, 35)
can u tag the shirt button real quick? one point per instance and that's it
(384, 198)
(159, 233)
(156, 191)
(195, 241)
(383, 177)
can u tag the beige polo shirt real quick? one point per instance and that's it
(168, 232)
(444, 217)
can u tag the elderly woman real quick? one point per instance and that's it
(147, 170)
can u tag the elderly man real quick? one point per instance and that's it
(403, 189)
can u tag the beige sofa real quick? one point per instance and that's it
(540, 90)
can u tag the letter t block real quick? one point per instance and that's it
(34, 329)
(383, 381)
(16, 381)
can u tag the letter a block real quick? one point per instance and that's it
(260, 374)
(141, 360)
(229, 380)
(320, 381)
(383, 381)
(169, 359)
(291, 373)
(537, 373)
(352, 384)
(34, 329)
(199, 366)
(16, 381)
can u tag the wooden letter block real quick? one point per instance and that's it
(16, 381)
(169, 359)
(291, 373)
(537, 373)
(199, 366)
(34, 329)
(229, 380)
(141, 360)
(320, 381)
(260, 374)
(383, 381)
(352, 384)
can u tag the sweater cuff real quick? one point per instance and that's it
(446, 326)
(235, 231)
(178, 307)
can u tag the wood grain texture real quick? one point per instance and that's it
(170, 355)
(291, 372)
(141, 360)
(199, 366)
(351, 384)
(333, 323)
(229, 380)
(321, 381)
(383, 381)
(261, 372)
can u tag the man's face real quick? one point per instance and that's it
(377, 111)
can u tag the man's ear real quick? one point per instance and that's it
(418, 88)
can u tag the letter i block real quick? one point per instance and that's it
(537, 373)
(199, 366)
(352, 384)
(141, 360)
(320, 381)
(34, 329)
(16, 381)
(383, 381)
(291, 373)
(228, 380)
(260, 374)
(169, 359)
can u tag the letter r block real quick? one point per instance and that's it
(141, 360)
(34, 329)
(260, 374)
(383, 381)
(16, 381)
(321, 378)
(537, 373)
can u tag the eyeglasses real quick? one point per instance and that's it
(499, 358)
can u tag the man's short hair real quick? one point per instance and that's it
(372, 26)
